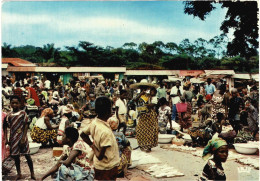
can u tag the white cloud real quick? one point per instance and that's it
(92, 28)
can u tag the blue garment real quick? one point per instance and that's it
(210, 89)
(77, 173)
(174, 112)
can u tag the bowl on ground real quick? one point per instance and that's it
(245, 148)
(34, 147)
(165, 138)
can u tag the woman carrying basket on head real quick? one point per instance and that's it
(147, 126)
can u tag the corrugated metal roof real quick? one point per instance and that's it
(17, 62)
(80, 69)
(241, 76)
(69, 69)
(4, 65)
(219, 72)
(152, 72)
(20, 69)
(191, 72)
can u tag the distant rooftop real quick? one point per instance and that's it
(17, 62)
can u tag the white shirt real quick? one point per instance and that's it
(40, 123)
(174, 90)
(47, 84)
(122, 109)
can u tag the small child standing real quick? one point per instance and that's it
(106, 154)
(164, 115)
(17, 121)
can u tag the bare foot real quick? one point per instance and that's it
(33, 176)
(18, 177)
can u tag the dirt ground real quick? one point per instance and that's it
(185, 162)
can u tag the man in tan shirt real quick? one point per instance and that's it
(104, 145)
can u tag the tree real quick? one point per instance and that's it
(241, 16)
(8, 52)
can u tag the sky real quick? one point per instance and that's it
(104, 23)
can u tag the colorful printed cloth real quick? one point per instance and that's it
(76, 173)
(16, 122)
(43, 136)
(163, 118)
(212, 146)
(83, 159)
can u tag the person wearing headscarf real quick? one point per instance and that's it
(213, 170)
(64, 123)
(147, 127)
(123, 146)
(43, 132)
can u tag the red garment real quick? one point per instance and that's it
(34, 96)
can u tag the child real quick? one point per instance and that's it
(121, 110)
(164, 115)
(74, 163)
(213, 170)
(104, 145)
(123, 145)
(17, 121)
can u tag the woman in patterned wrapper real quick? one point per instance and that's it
(147, 126)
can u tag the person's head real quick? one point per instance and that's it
(143, 88)
(177, 84)
(234, 92)
(123, 81)
(15, 102)
(92, 97)
(221, 154)
(162, 101)
(182, 99)
(26, 86)
(222, 89)
(123, 94)
(48, 112)
(103, 107)
(18, 84)
(70, 136)
(209, 81)
(67, 111)
(217, 147)
(161, 85)
(113, 122)
(220, 116)
(153, 91)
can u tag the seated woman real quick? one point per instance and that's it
(43, 132)
(213, 170)
(123, 146)
(74, 163)
(64, 123)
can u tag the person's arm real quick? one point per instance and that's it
(169, 119)
(48, 124)
(5, 131)
(29, 94)
(138, 97)
(54, 168)
(117, 116)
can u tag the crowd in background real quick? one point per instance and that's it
(139, 109)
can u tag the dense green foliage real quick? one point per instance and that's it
(241, 17)
(201, 54)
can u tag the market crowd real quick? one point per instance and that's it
(92, 120)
